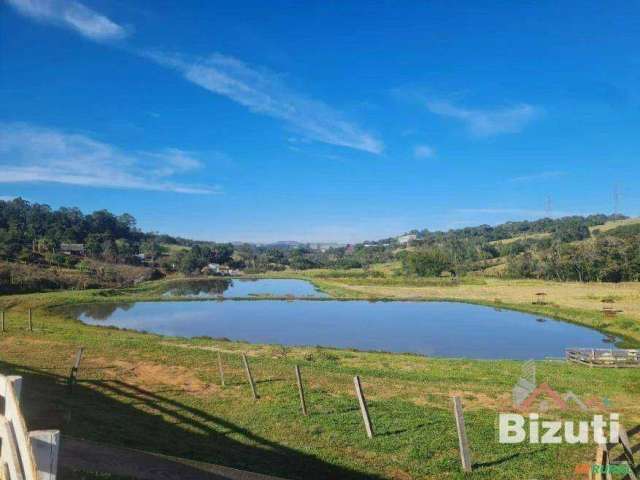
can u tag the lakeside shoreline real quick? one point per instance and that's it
(336, 290)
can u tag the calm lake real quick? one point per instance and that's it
(241, 288)
(432, 328)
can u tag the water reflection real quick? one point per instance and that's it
(198, 288)
(98, 311)
(244, 287)
(431, 328)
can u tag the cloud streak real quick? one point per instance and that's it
(263, 92)
(259, 90)
(71, 15)
(488, 123)
(31, 153)
(423, 151)
(538, 176)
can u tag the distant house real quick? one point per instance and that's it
(349, 249)
(323, 247)
(404, 239)
(72, 248)
(211, 268)
(217, 269)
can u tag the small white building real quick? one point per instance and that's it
(72, 248)
(213, 267)
(404, 239)
(216, 269)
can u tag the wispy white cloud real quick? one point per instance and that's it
(538, 176)
(487, 123)
(31, 153)
(262, 91)
(71, 15)
(423, 151)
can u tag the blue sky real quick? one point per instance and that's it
(320, 121)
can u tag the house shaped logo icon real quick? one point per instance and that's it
(526, 384)
(526, 392)
(547, 397)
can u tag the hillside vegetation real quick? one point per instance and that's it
(600, 248)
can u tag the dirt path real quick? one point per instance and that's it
(91, 456)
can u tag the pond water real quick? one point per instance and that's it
(242, 288)
(431, 328)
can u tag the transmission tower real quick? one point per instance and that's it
(548, 206)
(616, 199)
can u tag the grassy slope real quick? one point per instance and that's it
(602, 228)
(530, 236)
(162, 394)
(615, 224)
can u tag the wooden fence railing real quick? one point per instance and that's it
(606, 467)
(604, 357)
(24, 455)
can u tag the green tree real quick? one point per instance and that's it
(427, 263)
(151, 248)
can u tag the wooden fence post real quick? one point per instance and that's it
(463, 441)
(4, 467)
(10, 455)
(30, 321)
(46, 447)
(363, 406)
(24, 455)
(73, 375)
(249, 376)
(303, 404)
(627, 450)
(602, 463)
(17, 427)
(220, 369)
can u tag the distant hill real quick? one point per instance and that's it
(583, 248)
(509, 231)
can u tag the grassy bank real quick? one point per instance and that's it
(163, 394)
(580, 303)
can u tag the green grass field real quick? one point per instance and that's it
(163, 394)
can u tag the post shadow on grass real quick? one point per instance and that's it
(148, 421)
(502, 460)
(398, 431)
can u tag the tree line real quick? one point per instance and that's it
(568, 251)
(35, 233)
(570, 248)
